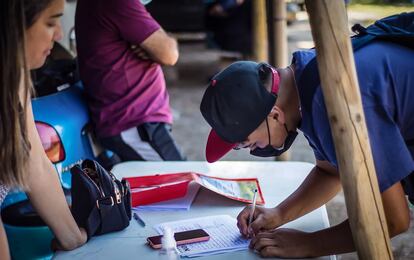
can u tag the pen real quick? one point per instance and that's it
(139, 220)
(253, 207)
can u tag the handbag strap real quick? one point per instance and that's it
(97, 217)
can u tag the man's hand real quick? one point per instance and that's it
(263, 219)
(284, 243)
(140, 52)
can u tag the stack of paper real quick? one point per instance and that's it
(183, 203)
(223, 231)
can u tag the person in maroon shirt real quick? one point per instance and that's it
(120, 51)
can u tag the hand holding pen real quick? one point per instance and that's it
(245, 218)
(253, 207)
(250, 221)
(252, 212)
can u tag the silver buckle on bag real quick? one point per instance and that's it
(102, 199)
(117, 195)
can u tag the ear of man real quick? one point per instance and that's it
(277, 114)
(265, 75)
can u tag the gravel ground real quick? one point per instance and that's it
(186, 83)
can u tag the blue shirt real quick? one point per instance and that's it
(386, 80)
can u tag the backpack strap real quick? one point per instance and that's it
(398, 29)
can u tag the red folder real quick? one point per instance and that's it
(156, 188)
(161, 187)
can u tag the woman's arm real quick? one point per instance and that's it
(46, 194)
(4, 247)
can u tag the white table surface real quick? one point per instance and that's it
(277, 181)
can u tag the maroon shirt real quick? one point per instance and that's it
(123, 90)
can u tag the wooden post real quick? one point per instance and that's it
(346, 117)
(278, 34)
(278, 43)
(260, 41)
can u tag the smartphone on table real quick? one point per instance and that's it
(184, 237)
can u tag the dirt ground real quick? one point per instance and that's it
(186, 83)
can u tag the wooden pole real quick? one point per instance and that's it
(279, 34)
(260, 40)
(278, 43)
(346, 117)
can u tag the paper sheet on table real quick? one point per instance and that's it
(223, 231)
(183, 203)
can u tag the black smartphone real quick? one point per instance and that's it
(184, 237)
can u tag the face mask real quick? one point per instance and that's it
(269, 150)
(145, 2)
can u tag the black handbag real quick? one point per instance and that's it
(100, 202)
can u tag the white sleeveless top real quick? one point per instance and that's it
(3, 192)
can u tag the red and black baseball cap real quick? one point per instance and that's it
(235, 103)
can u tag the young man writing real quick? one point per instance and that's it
(254, 106)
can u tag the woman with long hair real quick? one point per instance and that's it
(29, 29)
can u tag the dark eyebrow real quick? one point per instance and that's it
(56, 15)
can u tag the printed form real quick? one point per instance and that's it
(223, 231)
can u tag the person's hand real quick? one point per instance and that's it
(84, 236)
(140, 52)
(283, 243)
(57, 246)
(263, 219)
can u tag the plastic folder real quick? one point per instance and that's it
(160, 187)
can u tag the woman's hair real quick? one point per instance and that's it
(32, 10)
(15, 17)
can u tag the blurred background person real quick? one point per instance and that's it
(120, 50)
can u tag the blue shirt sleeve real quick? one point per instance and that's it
(392, 158)
(393, 161)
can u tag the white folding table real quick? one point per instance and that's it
(277, 180)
